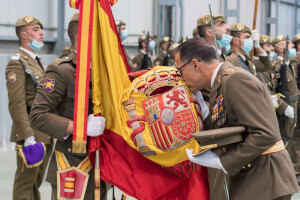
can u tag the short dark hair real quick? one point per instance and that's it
(296, 45)
(196, 48)
(19, 29)
(202, 30)
(73, 31)
(235, 34)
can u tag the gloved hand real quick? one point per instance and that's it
(204, 108)
(274, 100)
(95, 126)
(29, 141)
(255, 38)
(207, 159)
(289, 112)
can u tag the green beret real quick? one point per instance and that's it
(296, 38)
(240, 28)
(279, 38)
(75, 17)
(120, 22)
(28, 21)
(264, 39)
(195, 31)
(165, 39)
(205, 20)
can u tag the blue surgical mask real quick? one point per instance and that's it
(152, 45)
(292, 53)
(228, 47)
(226, 39)
(248, 45)
(124, 34)
(35, 45)
(272, 55)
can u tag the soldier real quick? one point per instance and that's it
(260, 159)
(221, 28)
(287, 85)
(123, 33)
(163, 58)
(65, 52)
(295, 62)
(242, 45)
(142, 60)
(195, 33)
(52, 113)
(23, 72)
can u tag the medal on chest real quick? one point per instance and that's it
(218, 112)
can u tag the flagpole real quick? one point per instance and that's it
(254, 22)
(97, 176)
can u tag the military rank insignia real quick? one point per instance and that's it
(49, 85)
(12, 77)
(218, 112)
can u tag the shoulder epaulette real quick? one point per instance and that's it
(15, 57)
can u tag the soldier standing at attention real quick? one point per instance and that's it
(287, 85)
(123, 33)
(142, 60)
(52, 113)
(221, 28)
(163, 58)
(241, 47)
(23, 72)
(259, 166)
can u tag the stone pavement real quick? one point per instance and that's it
(7, 170)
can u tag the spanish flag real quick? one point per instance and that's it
(140, 174)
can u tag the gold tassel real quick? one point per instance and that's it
(78, 146)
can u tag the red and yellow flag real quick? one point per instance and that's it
(120, 162)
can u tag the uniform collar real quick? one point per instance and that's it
(32, 55)
(281, 58)
(144, 52)
(219, 50)
(242, 56)
(215, 74)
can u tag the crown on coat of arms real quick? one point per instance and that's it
(160, 79)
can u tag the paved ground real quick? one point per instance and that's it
(7, 170)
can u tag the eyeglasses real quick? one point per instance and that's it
(178, 71)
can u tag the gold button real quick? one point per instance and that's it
(224, 149)
(249, 165)
(69, 149)
(49, 137)
(243, 167)
(17, 135)
(67, 57)
(36, 77)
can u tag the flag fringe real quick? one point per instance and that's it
(78, 146)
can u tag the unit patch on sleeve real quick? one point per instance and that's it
(49, 85)
(12, 77)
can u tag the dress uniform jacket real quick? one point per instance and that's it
(21, 93)
(138, 61)
(253, 176)
(263, 64)
(295, 62)
(53, 108)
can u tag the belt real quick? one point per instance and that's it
(278, 146)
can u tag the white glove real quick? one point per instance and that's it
(255, 38)
(274, 100)
(29, 141)
(95, 126)
(204, 108)
(289, 112)
(207, 159)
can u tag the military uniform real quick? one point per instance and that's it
(255, 173)
(138, 62)
(65, 52)
(295, 62)
(163, 58)
(53, 109)
(23, 72)
(243, 60)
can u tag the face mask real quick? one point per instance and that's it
(35, 45)
(225, 40)
(272, 55)
(124, 34)
(227, 48)
(248, 45)
(152, 45)
(292, 53)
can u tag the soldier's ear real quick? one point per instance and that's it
(209, 32)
